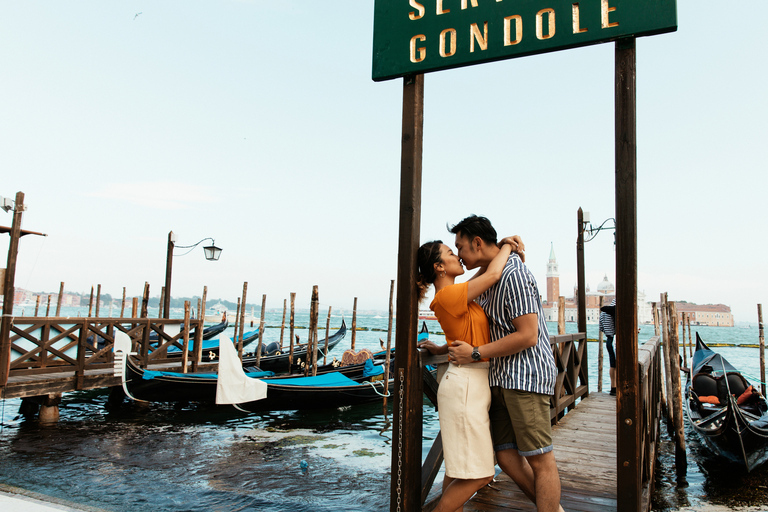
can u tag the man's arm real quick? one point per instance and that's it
(526, 335)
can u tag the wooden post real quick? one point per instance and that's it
(685, 352)
(664, 392)
(561, 315)
(185, 347)
(198, 342)
(134, 306)
(629, 472)
(762, 347)
(252, 314)
(354, 323)
(168, 270)
(98, 299)
(690, 341)
(327, 330)
(59, 299)
(313, 334)
(310, 334)
(261, 327)
(242, 321)
(681, 460)
(237, 320)
(48, 306)
(282, 324)
(291, 331)
(389, 339)
(405, 495)
(600, 353)
(145, 301)
(160, 304)
(37, 304)
(90, 304)
(9, 291)
(667, 364)
(581, 280)
(122, 304)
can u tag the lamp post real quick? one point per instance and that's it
(585, 226)
(8, 278)
(212, 253)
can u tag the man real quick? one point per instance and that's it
(522, 367)
(607, 326)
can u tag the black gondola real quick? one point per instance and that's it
(279, 362)
(729, 414)
(328, 390)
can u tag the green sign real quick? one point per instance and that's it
(418, 36)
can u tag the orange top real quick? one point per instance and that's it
(459, 320)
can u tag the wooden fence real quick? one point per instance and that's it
(50, 345)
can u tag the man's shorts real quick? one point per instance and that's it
(520, 420)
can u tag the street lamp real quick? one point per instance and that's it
(593, 231)
(585, 226)
(212, 253)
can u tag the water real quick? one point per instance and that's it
(186, 457)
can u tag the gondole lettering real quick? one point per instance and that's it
(412, 15)
(443, 37)
(480, 38)
(550, 25)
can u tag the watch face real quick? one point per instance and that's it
(475, 354)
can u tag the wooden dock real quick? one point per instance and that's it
(585, 449)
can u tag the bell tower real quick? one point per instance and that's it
(553, 278)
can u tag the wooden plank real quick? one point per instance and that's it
(585, 449)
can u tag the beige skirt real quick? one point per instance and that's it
(464, 398)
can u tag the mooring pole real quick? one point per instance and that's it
(8, 290)
(629, 472)
(581, 279)
(762, 346)
(405, 493)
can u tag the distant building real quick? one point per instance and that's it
(716, 315)
(605, 289)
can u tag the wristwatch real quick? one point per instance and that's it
(475, 354)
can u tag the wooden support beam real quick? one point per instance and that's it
(629, 473)
(405, 493)
(580, 278)
(8, 290)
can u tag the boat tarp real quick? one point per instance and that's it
(330, 379)
(151, 374)
(214, 343)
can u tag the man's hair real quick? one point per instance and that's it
(474, 226)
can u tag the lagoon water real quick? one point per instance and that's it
(180, 457)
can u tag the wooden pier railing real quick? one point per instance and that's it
(79, 347)
(649, 372)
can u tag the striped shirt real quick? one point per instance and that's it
(516, 294)
(607, 322)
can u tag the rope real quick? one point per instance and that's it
(383, 386)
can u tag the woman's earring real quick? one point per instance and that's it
(442, 274)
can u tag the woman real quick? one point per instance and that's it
(464, 396)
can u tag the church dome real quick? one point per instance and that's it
(606, 287)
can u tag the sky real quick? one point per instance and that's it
(257, 123)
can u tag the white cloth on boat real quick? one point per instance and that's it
(233, 386)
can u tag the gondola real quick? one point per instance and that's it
(328, 390)
(208, 333)
(278, 362)
(729, 414)
(211, 347)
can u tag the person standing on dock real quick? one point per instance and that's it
(463, 395)
(522, 368)
(608, 327)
